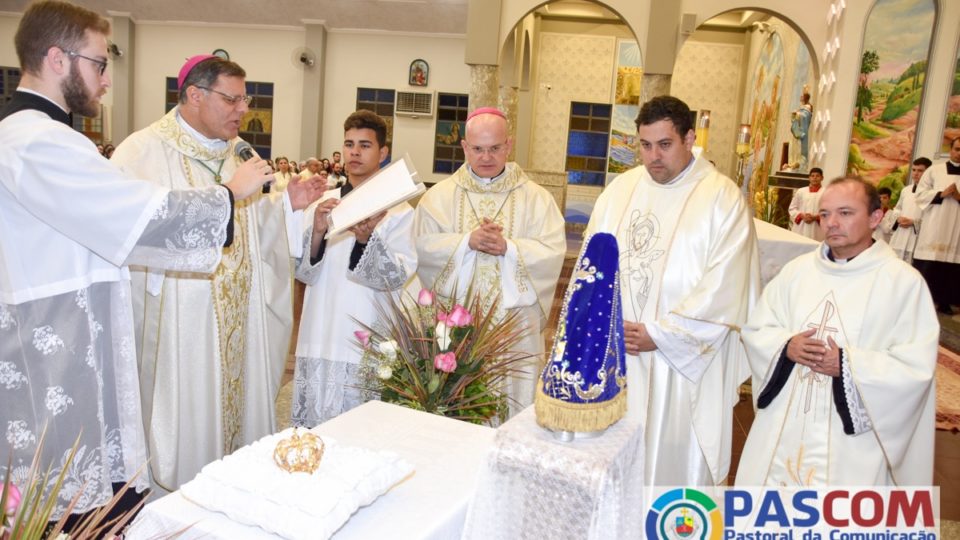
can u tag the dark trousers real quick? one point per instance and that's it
(943, 278)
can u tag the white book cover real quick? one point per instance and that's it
(389, 187)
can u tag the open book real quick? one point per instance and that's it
(391, 186)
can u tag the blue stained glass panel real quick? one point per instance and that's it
(581, 143)
(580, 109)
(448, 100)
(172, 83)
(601, 110)
(251, 89)
(366, 94)
(585, 178)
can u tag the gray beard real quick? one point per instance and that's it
(77, 96)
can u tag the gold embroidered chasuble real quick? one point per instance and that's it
(212, 347)
(523, 279)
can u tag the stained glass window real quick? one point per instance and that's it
(588, 143)
(451, 127)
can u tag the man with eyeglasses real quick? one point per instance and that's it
(213, 346)
(72, 223)
(491, 227)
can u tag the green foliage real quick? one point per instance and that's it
(864, 102)
(901, 106)
(870, 62)
(953, 120)
(867, 131)
(915, 69)
(855, 161)
(895, 182)
(956, 84)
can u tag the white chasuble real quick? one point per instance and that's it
(524, 278)
(872, 425)
(689, 271)
(212, 346)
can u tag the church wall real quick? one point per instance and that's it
(8, 27)
(708, 75)
(382, 60)
(265, 54)
(570, 67)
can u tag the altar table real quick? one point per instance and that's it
(431, 504)
(534, 486)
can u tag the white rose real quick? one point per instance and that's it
(389, 348)
(384, 372)
(443, 335)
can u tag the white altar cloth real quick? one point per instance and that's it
(778, 246)
(432, 504)
(534, 486)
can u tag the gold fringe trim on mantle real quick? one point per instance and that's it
(562, 415)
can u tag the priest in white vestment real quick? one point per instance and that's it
(902, 223)
(491, 227)
(71, 223)
(937, 253)
(348, 276)
(212, 346)
(689, 271)
(803, 207)
(843, 348)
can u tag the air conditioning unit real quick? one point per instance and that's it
(415, 104)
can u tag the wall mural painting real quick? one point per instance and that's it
(951, 130)
(766, 91)
(802, 112)
(626, 99)
(623, 138)
(896, 45)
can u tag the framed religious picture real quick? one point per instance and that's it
(419, 72)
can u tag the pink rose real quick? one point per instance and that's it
(13, 500)
(445, 362)
(363, 337)
(459, 316)
(441, 316)
(425, 298)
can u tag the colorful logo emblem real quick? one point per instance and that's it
(684, 514)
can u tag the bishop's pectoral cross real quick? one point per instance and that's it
(811, 377)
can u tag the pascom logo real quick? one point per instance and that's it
(686, 514)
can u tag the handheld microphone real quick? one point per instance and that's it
(244, 151)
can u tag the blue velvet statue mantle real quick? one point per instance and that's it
(582, 388)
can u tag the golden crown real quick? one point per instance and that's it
(299, 453)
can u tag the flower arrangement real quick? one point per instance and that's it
(441, 358)
(767, 208)
(25, 510)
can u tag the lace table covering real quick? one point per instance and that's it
(249, 488)
(534, 486)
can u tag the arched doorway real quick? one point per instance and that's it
(570, 72)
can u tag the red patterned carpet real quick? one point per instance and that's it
(948, 390)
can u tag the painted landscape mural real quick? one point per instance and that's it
(767, 83)
(893, 70)
(951, 130)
